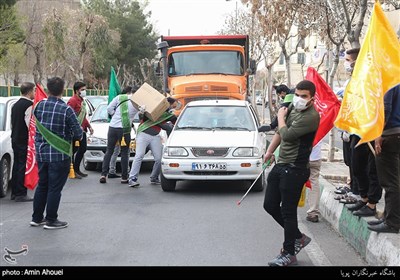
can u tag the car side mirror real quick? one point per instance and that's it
(264, 128)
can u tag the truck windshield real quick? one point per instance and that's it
(206, 62)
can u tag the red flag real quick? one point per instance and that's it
(32, 172)
(308, 184)
(325, 102)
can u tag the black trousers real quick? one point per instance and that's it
(18, 171)
(114, 135)
(388, 166)
(363, 162)
(284, 185)
(79, 152)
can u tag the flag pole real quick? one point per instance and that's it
(371, 148)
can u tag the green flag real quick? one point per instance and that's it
(114, 88)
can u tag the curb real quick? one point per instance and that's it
(378, 249)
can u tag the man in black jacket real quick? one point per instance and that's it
(20, 117)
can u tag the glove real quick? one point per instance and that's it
(142, 109)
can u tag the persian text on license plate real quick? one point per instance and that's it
(208, 166)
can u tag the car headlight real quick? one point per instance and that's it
(246, 152)
(96, 141)
(175, 152)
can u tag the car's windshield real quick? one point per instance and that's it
(216, 117)
(100, 114)
(206, 62)
(2, 116)
(96, 100)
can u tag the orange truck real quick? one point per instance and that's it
(205, 67)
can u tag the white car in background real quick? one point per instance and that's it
(214, 140)
(6, 152)
(97, 143)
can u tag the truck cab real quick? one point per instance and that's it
(205, 67)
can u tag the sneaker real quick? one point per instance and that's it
(55, 225)
(375, 222)
(365, 211)
(24, 198)
(155, 181)
(358, 205)
(283, 259)
(103, 179)
(113, 175)
(38, 224)
(301, 243)
(133, 183)
(312, 218)
(81, 173)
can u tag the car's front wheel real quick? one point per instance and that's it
(260, 184)
(4, 176)
(167, 185)
(91, 166)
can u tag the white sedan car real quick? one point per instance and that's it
(214, 140)
(6, 152)
(97, 143)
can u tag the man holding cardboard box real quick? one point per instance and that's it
(148, 136)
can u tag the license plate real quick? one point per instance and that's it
(208, 166)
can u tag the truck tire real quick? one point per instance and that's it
(4, 176)
(167, 185)
(260, 184)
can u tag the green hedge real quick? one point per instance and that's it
(15, 91)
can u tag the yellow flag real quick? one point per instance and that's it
(377, 70)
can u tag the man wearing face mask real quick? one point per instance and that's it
(297, 126)
(77, 103)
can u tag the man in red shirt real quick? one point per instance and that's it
(77, 103)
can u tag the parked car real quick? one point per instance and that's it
(96, 100)
(214, 140)
(97, 143)
(89, 106)
(6, 152)
(259, 100)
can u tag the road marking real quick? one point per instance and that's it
(313, 250)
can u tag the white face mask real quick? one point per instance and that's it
(347, 66)
(83, 93)
(299, 103)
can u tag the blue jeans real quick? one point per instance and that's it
(143, 140)
(52, 178)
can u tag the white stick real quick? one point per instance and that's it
(240, 201)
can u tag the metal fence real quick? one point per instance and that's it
(15, 91)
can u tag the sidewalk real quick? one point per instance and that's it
(381, 249)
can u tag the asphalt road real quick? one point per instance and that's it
(198, 225)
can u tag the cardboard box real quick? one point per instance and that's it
(155, 102)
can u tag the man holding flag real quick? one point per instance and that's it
(376, 71)
(20, 118)
(56, 125)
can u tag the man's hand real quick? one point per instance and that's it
(142, 109)
(91, 130)
(269, 156)
(282, 112)
(378, 145)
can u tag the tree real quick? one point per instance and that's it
(72, 42)
(10, 31)
(11, 64)
(137, 38)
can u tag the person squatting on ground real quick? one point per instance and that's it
(297, 126)
(112, 172)
(148, 135)
(56, 127)
(21, 114)
(122, 115)
(388, 164)
(77, 103)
